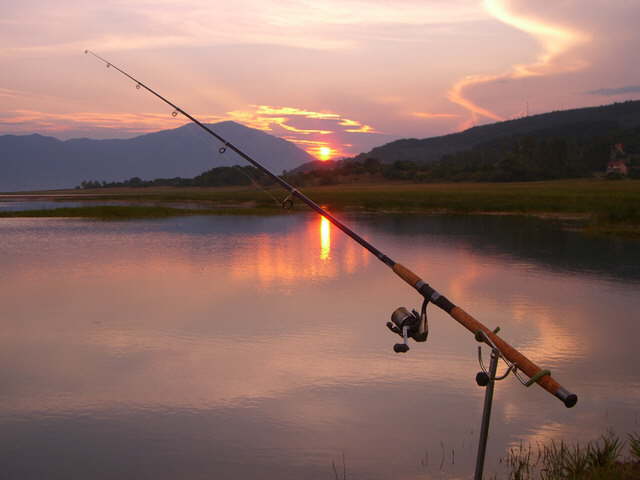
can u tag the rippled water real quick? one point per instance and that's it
(255, 347)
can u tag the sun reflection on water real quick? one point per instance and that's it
(309, 253)
(325, 238)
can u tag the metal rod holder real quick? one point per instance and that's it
(486, 412)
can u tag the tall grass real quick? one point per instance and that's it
(595, 460)
(634, 446)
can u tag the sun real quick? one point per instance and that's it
(325, 153)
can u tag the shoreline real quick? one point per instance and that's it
(592, 206)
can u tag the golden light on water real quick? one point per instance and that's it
(325, 238)
(270, 262)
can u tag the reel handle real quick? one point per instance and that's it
(404, 333)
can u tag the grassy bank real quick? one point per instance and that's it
(607, 458)
(611, 207)
(130, 212)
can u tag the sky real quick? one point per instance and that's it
(337, 77)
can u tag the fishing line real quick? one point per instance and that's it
(242, 170)
(404, 323)
(226, 144)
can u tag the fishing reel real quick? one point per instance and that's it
(409, 324)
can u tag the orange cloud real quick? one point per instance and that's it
(308, 133)
(455, 94)
(30, 120)
(268, 110)
(358, 127)
(556, 40)
(302, 130)
(306, 142)
(434, 115)
(268, 118)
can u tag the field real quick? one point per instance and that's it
(602, 206)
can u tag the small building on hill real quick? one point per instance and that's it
(618, 167)
(618, 161)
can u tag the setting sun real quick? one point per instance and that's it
(325, 153)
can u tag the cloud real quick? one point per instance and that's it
(356, 127)
(346, 66)
(434, 115)
(23, 95)
(456, 95)
(9, 93)
(28, 121)
(314, 131)
(556, 40)
(615, 91)
(33, 27)
(268, 110)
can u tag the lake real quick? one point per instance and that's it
(234, 347)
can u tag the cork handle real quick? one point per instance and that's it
(514, 356)
(406, 274)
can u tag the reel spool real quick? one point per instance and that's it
(409, 324)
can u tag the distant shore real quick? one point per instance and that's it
(598, 206)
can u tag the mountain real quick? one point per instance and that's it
(622, 115)
(33, 162)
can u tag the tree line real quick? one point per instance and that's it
(578, 150)
(573, 151)
(216, 177)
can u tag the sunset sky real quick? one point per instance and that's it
(346, 75)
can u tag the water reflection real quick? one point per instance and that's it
(292, 257)
(232, 347)
(325, 238)
(523, 240)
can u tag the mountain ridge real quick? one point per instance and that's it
(432, 149)
(35, 161)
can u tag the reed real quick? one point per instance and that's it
(596, 460)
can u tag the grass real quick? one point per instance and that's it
(634, 445)
(596, 460)
(608, 207)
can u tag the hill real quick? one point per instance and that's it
(621, 115)
(569, 144)
(31, 162)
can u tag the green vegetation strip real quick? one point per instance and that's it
(609, 207)
(109, 212)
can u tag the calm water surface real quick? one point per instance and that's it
(249, 347)
(20, 205)
(8, 204)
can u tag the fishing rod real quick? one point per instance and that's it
(404, 323)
